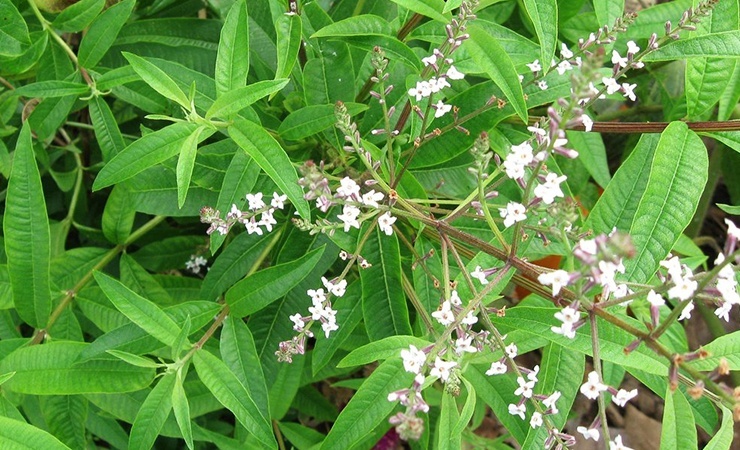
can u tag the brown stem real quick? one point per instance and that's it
(658, 127)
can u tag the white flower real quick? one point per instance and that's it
(278, 201)
(511, 350)
(532, 376)
(550, 401)
(267, 220)
(318, 297)
(255, 201)
(518, 410)
(372, 198)
(593, 387)
(423, 89)
(454, 74)
(497, 368)
(480, 275)
(348, 188)
(723, 312)
(513, 169)
(444, 314)
(557, 279)
(732, 229)
(683, 290)
(525, 388)
(297, 321)
(611, 85)
(565, 53)
(328, 327)
(588, 123)
(470, 319)
(655, 299)
(336, 289)
(617, 59)
(563, 67)
(589, 433)
(629, 91)
(464, 345)
(429, 60)
(385, 222)
(550, 189)
(623, 396)
(536, 420)
(253, 227)
(349, 217)
(441, 109)
(632, 48)
(535, 66)
(522, 153)
(513, 213)
(413, 359)
(673, 265)
(616, 444)
(542, 84)
(686, 313)
(442, 368)
(454, 298)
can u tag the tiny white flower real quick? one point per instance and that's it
(525, 388)
(683, 290)
(686, 313)
(550, 189)
(623, 396)
(536, 420)
(441, 109)
(480, 275)
(565, 53)
(542, 84)
(617, 59)
(611, 85)
(253, 227)
(454, 298)
(617, 444)
(732, 229)
(655, 299)
(429, 60)
(441, 369)
(557, 279)
(629, 91)
(454, 74)
(593, 387)
(385, 222)
(588, 123)
(318, 297)
(470, 319)
(513, 213)
(372, 198)
(518, 410)
(278, 201)
(444, 314)
(349, 217)
(632, 47)
(589, 433)
(532, 376)
(348, 188)
(535, 66)
(328, 327)
(723, 312)
(550, 401)
(255, 201)
(413, 359)
(511, 350)
(563, 67)
(465, 345)
(497, 368)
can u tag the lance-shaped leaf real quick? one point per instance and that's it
(78, 16)
(239, 353)
(679, 427)
(185, 164)
(544, 16)
(118, 216)
(492, 59)
(722, 440)
(151, 149)
(65, 416)
(17, 434)
(51, 89)
(181, 407)
(106, 129)
(233, 264)
(449, 416)
(139, 310)
(313, 119)
(262, 288)
(363, 25)
(13, 30)
(103, 32)
(266, 151)
(383, 349)
(152, 414)
(233, 101)
(228, 390)
(289, 29)
(677, 178)
(429, 8)
(27, 236)
(158, 79)
(383, 301)
(232, 59)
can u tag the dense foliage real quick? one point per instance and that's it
(366, 224)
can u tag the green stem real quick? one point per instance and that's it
(595, 349)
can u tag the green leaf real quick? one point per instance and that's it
(103, 32)
(51, 89)
(232, 59)
(449, 417)
(181, 407)
(729, 209)
(592, 153)
(185, 164)
(235, 100)
(382, 291)
(53, 369)
(607, 11)
(726, 348)
(677, 178)
(721, 45)
(151, 149)
(289, 29)
(491, 57)
(544, 16)
(118, 216)
(233, 263)
(679, 428)
(228, 390)
(382, 349)
(266, 151)
(139, 310)
(349, 314)
(134, 360)
(369, 407)
(468, 408)
(239, 353)
(15, 434)
(6, 376)
(723, 438)
(78, 16)
(65, 416)
(106, 129)
(362, 25)
(158, 79)
(429, 8)
(153, 413)
(27, 236)
(313, 119)
(13, 30)
(262, 288)
(326, 80)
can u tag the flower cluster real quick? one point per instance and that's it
(591, 389)
(196, 263)
(256, 205)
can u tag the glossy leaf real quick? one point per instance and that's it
(78, 16)
(313, 119)
(51, 89)
(362, 25)
(235, 100)
(382, 349)
(181, 408)
(102, 32)
(153, 413)
(158, 79)
(544, 17)
(429, 8)
(185, 164)
(232, 60)
(266, 151)
(726, 348)
(65, 415)
(677, 178)
(27, 236)
(489, 55)
(498, 392)
(679, 429)
(289, 29)
(227, 388)
(382, 291)
(607, 11)
(393, 48)
(449, 416)
(467, 410)
(15, 434)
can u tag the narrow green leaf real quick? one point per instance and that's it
(723, 438)
(429, 8)
(233, 395)
(106, 129)
(498, 392)
(137, 279)
(53, 369)
(468, 408)
(235, 100)
(729, 209)
(382, 349)
(491, 57)
(392, 47)
(262, 288)
(233, 264)
(369, 407)
(65, 416)
(15, 434)
(139, 310)
(289, 29)
(78, 16)
(185, 164)
(151, 149)
(158, 79)
(449, 416)
(592, 153)
(51, 89)
(326, 79)
(607, 11)
(134, 360)
(544, 16)
(382, 291)
(722, 45)
(153, 413)
(27, 235)
(239, 353)
(118, 216)
(103, 32)
(6, 376)
(362, 25)
(232, 59)
(266, 151)
(677, 178)
(679, 428)
(181, 407)
(313, 119)
(13, 30)
(726, 348)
